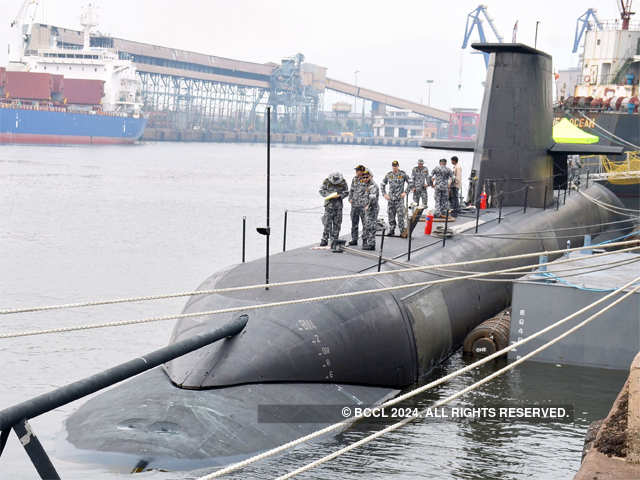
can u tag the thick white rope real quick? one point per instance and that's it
(444, 401)
(611, 208)
(283, 303)
(412, 393)
(294, 282)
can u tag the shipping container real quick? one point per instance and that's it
(83, 92)
(28, 85)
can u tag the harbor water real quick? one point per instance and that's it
(87, 223)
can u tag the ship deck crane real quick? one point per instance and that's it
(23, 23)
(625, 13)
(583, 23)
(473, 20)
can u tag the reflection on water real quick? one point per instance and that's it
(100, 222)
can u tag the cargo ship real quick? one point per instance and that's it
(64, 95)
(602, 94)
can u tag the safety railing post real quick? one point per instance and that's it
(446, 223)
(284, 235)
(244, 237)
(381, 249)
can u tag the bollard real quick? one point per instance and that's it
(381, 248)
(244, 237)
(284, 234)
(444, 235)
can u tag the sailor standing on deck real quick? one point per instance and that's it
(396, 179)
(420, 181)
(334, 188)
(371, 193)
(441, 176)
(456, 184)
(358, 200)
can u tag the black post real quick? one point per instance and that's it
(244, 237)
(565, 195)
(409, 247)
(526, 198)
(544, 203)
(446, 223)
(381, 249)
(268, 192)
(558, 201)
(587, 185)
(36, 452)
(284, 235)
(46, 402)
(477, 214)
(499, 209)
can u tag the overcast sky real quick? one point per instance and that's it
(395, 46)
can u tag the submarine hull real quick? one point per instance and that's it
(331, 352)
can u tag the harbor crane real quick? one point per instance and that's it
(584, 23)
(473, 20)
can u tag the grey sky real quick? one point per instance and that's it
(396, 46)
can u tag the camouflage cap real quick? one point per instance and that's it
(420, 160)
(395, 163)
(360, 168)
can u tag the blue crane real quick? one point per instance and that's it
(584, 23)
(473, 19)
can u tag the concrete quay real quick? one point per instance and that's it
(172, 135)
(615, 451)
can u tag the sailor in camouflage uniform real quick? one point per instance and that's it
(371, 195)
(335, 187)
(441, 176)
(396, 179)
(358, 200)
(420, 181)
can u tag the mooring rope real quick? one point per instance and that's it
(289, 283)
(450, 398)
(247, 308)
(274, 451)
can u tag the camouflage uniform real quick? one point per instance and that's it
(332, 218)
(420, 179)
(441, 174)
(371, 193)
(359, 200)
(395, 204)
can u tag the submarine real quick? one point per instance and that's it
(201, 409)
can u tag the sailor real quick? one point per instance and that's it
(334, 188)
(420, 181)
(358, 200)
(396, 179)
(441, 175)
(371, 194)
(456, 184)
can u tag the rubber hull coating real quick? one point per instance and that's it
(388, 339)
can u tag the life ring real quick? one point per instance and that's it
(587, 79)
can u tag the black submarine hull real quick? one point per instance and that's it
(202, 409)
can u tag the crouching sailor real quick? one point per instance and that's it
(334, 188)
(371, 211)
